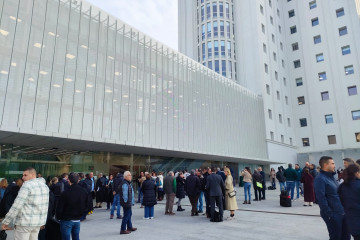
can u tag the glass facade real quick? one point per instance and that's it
(72, 72)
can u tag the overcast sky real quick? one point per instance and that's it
(156, 18)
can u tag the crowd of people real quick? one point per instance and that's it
(53, 210)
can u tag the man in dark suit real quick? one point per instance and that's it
(216, 188)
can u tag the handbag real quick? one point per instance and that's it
(259, 185)
(3, 235)
(232, 194)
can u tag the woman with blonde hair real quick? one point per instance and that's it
(230, 199)
(3, 186)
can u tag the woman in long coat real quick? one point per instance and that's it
(230, 198)
(309, 195)
(180, 190)
(149, 196)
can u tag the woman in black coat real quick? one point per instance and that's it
(149, 197)
(10, 194)
(180, 190)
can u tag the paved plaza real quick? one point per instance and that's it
(260, 220)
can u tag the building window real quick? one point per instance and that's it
(209, 30)
(282, 138)
(289, 122)
(221, 9)
(216, 48)
(266, 68)
(286, 100)
(299, 82)
(270, 113)
(312, 5)
(263, 28)
(270, 3)
(273, 37)
(306, 142)
(271, 20)
(293, 29)
(357, 137)
(329, 119)
(227, 10)
(272, 135)
(228, 29)
(303, 122)
(202, 13)
(261, 9)
(325, 96)
(281, 46)
(317, 39)
(355, 115)
(322, 76)
(274, 56)
(284, 80)
(280, 118)
(291, 13)
(217, 66)
(278, 95)
(283, 63)
(208, 13)
(278, 12)
(332, 139)
(343, 31)
(203, 32)
(295, 46)
(276, 75)
(223, 51)
(301, 100)
(229, 49)
(279, 29)
(340, 12)
(203, 52)
(297, 64)
(264, 47)
(209, 50)
(222, 30)
(214, 10)
(291, 141)
(320, 57)
(345, 50)
(314, 22)
(349, 70)
(352, 90)
(267, 89)
(215, 24)
(223, 68)
(210, 65)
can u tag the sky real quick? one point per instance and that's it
(156, 18)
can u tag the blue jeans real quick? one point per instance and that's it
(291, 187)
(273, 184)
(297, 185)
(282, 186)
(69, 228)
(116, 204)
(247, 190)
(337, 227)
(200, 202)
(126, 219)
(149, 212)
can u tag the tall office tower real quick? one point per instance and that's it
(301, 56)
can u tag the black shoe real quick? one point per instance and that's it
(255, 200)
(200, 211)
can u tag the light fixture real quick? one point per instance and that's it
(140, 100)
(4, 72)
(180, 96)
(13, 64)
(153, 104)
(38, 45)
(108, 91)
(153, 86)
(4, 33)
(68, 79)
(153, 74)
(169, 91)
(93, 65)
(70, 56)
(114, 100)
(14, 18)
(153, 110)
(175, 116)
(56, 85)
(89, 85)
(31, 79)
(84, 46)
(43, 72)
(117, 73)
(77, 91)
(110, 57)
(133, 66)
(125, 96)
(52, 34)
(165, 113)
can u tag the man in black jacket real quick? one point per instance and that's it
(216, 189)
(117, 181)
(71, 208)
(193, 188)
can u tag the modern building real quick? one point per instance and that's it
(82, 91)
(301, 56)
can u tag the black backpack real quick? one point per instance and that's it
(285, 200)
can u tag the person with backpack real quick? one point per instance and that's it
(280, 177)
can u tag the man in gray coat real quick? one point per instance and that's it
(169, 190)
(216, 188)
